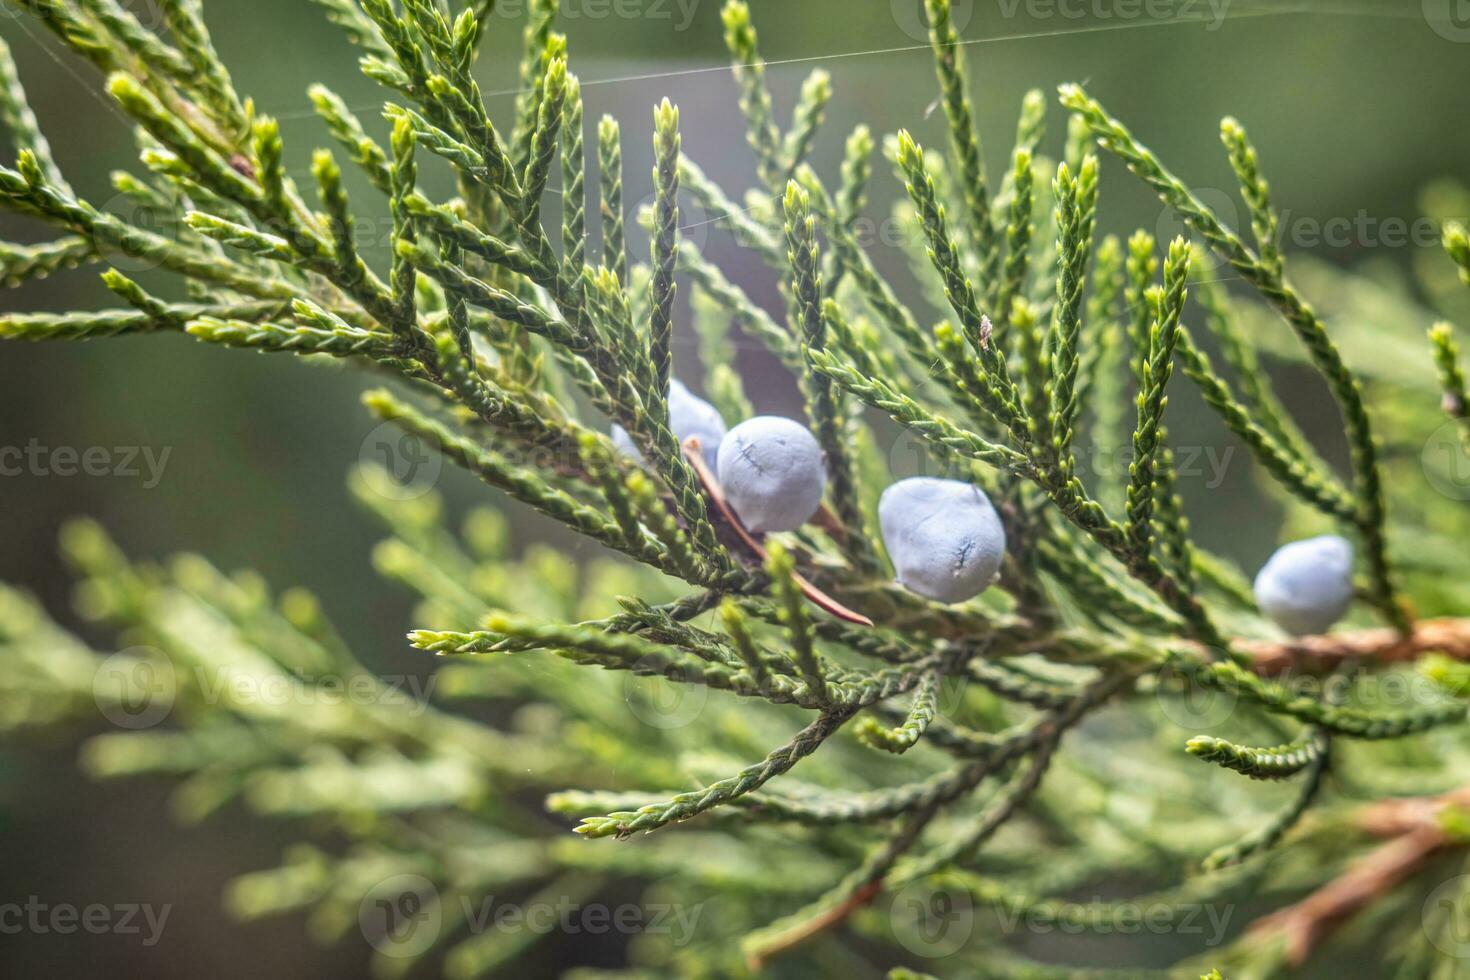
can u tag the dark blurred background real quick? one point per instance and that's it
(1355, 108)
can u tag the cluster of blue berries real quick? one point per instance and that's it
(944, 537)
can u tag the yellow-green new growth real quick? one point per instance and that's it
(665, 245)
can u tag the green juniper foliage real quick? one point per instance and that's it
(823, 765)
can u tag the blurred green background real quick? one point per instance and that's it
(1355, 107)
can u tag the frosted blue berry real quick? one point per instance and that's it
(944, 537)
(689, 415)
(772, 473)
(1307, 585)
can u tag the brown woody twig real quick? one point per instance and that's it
(693, 452)
(1415, 836)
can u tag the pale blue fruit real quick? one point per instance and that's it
(1307, 585)
(689, 415)
(944, 537)
(772, 473)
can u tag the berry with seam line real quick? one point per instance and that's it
(944, 537)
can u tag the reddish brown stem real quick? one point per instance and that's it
(827, 522)
(1307, 923)
(1383, 646)
(1416, 835)
(693, 452)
